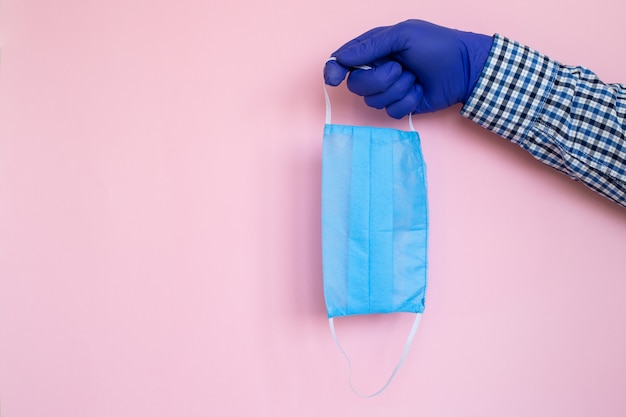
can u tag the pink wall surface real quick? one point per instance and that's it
(160, 222)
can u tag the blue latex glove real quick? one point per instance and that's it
(417, 67)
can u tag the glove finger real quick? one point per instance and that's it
(426, 104)
(407, 104)
(395, 92)
(358, 39)
(374, 81)
(334, 73)
(371, 46)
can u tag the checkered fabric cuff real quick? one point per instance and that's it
(514, 84)
(564, 116)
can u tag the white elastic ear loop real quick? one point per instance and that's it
(327, 98)
(328, 109)
(363, 67)
(405, 352)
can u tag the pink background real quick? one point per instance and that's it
(159, 222)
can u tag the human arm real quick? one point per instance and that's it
(564, 116)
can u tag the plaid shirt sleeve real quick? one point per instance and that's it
(564, 116)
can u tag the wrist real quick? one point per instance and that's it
(478, 48)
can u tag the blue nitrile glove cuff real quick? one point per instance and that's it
(478, 48)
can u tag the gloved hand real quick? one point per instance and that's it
(417, 66)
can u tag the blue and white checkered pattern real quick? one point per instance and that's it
(564, 116)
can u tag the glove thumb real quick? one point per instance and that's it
(334, 73)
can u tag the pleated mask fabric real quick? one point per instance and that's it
(374, 223)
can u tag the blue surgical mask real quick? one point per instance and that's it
(374, 224)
